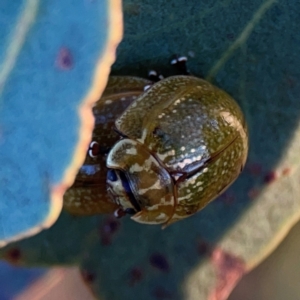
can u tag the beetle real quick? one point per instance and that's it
(175, 147)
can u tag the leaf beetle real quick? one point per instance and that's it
(176, 146)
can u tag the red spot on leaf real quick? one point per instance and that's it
(136, 275)
(87, 276)
(229, 269)
(203, 247)
(253, 193)
(161, 293)
(254, 169)
(64, 59)
(227, 198)
(108, 230)
(271, 177)
(286, 171)
(159, 262)
(13, 255)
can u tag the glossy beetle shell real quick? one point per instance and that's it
(88, 194)
(186, 142)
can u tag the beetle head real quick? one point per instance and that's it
(136, 181)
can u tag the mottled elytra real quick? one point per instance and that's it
(181, 143)
(186, 142)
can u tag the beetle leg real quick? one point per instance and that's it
(119, 213)
(155, 76)
(180, 63)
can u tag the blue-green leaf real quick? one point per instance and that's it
(54, 61)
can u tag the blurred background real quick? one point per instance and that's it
(276, 278)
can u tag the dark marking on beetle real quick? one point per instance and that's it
(64, 59)
(159, 261)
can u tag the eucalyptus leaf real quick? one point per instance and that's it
(54, 61)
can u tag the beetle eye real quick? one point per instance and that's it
(94, 149)
(111, 175)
